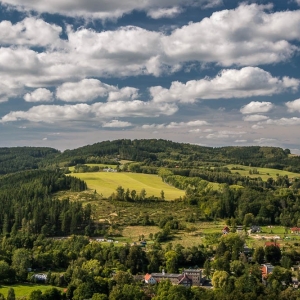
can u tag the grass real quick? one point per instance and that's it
(264, 173)
(24, 289)
(106, 183)
(132, 233)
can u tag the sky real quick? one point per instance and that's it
(207, 72)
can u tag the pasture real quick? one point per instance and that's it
(264, 173)
(24, 289)
(106, 183)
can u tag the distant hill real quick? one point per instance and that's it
(149, 152)
(24, 158)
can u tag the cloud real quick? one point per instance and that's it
(83, 91)
(256, 126)
(293, 105)
(30, 32)
(116, 124)
(187, 124)
(216, 136)
(164, 12)
(255, 118)
(247, 35)
(124, 94)
(265, 141)
(177, 125)
(101, 9)
(224, 134)
(229, 83)
(240, 141)
(256, 107)
(39, 95)
(97, 111)
(9, 88)
(283, 121)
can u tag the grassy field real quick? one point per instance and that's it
(24, 289)
(264, 173)
(106, 183)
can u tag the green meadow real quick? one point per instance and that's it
(24, 289)
(264, 173)
(106, 183)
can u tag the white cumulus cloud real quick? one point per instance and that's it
(39, 95)
(83, 91)
(126, 93)
(247, 35)
(229, 83)
(30, 32)
(97, 111)
(164, 12)
(257, 107)
(176, 125)
(283, 121)
(116, 124)
(255, 118)
(293, 105)
(101, 9)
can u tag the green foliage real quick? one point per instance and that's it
(11, 294)
(24, 158)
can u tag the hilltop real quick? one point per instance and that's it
(150, 153)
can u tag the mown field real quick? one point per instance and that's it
(24, 289)
(106, 183)
(264, 173)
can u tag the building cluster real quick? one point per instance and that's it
(189, 277)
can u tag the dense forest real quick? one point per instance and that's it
(27, 203)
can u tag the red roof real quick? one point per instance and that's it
(295, 229)
(267, 244)
(147, 276)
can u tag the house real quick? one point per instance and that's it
(39, 277)
(184, 280)
(239, 228)
(255, 229)
(225, 230)
(268, 244)
(295, 268)
(195, 275)
(295, 282)
(265, 270)
(149, 279)
(163, 276)
(295, 230)
(189, 277)
(247, 250)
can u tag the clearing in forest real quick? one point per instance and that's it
(264, 173)
(106, 183)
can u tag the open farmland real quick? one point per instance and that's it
(24, 289)
(106, 183)
(264, 173)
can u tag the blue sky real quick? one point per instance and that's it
(207, 72)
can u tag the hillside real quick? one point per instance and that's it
(156, 153)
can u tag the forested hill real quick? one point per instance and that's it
(151, 152)
(24, 158)
(27, 203)
(162, 152)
